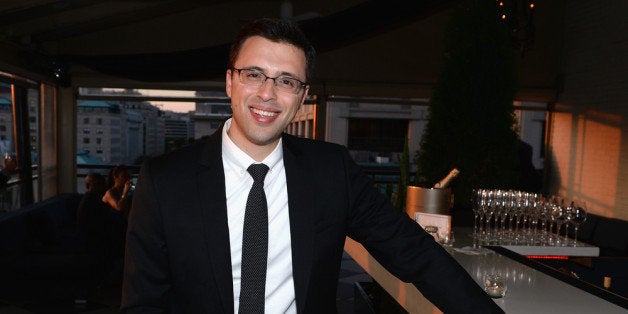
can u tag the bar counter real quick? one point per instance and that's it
(529, 290)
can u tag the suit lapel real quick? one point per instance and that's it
(300, 208)
(211, 182)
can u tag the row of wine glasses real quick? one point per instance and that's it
(525, 218)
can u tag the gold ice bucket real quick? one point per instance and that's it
(428, 200)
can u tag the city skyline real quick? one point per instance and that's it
(175, 106)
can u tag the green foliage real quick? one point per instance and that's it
(471, 114)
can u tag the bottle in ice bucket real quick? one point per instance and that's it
(446, 180)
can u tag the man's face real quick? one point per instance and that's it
(261, 113)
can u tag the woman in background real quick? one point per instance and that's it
(118, 195)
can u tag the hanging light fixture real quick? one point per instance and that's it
(518, 15)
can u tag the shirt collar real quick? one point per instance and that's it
(239, 158)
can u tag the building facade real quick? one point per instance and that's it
(107, 132)
(152, 129)
(209, 115)
(179, 129)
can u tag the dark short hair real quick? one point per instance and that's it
(118, 170)
(95, 179)
(276, 30)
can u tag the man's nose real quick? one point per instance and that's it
(267, 89)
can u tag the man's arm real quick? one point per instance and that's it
(408, 252)
(147, 284)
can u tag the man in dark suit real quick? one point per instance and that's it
(186, 237)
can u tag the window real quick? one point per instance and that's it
(377, 135)
(86, 131)
(98, 140)
(34, 102)
(86, 140)
(86, 120)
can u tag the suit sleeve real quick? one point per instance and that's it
(407, 251)
(146, 286)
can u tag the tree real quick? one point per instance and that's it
(471, 123)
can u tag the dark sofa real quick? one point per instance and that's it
(609, 234)
(42, 255)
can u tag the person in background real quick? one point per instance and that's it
(9, 166)
(95, 225)
(118, 195)
(188, 233)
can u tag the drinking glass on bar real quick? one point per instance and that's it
(578, 216)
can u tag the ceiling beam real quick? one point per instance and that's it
(132, 15)
(27, 13)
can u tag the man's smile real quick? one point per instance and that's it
(264, 113)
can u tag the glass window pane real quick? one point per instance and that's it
(48, 143)
(9, 192)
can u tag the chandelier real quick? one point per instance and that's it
(518, 15)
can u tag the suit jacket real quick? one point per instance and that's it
(178, 254)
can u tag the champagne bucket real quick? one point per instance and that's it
(428, 200)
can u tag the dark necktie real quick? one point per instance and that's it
(254, 245)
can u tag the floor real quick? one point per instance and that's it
(107, 299)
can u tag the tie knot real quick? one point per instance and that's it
(258, 172)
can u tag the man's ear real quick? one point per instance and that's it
(228, 82)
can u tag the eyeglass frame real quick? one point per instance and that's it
(266, 77)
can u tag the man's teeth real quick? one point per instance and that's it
(264, 113)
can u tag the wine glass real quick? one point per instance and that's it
(525, 216)
(517, 213)
(476, 203)
(552, 213)
(568, 221)
(533, 216)
(498, 200)
(512, 213)
(483, 206)
(578, 216)
(506, 214)
(560, 216)
(490, 209)
(543, 215)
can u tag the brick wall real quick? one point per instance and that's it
(589, 130)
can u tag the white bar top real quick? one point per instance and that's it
(580, 250)
(529, 290)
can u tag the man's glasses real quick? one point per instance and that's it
(283, 83)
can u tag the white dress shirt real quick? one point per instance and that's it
(280, 295)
